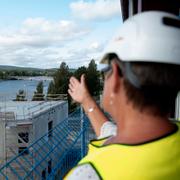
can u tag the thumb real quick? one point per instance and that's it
(83, 78)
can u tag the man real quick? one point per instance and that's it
(141, 84)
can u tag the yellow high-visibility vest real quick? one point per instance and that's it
(155, 160)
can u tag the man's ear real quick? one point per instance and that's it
(116, 79)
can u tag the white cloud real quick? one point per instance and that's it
(83, 55)
(41, 26)
(98, 10)
(44, 43)
(95, 46)
(38, 42)
(41, 32)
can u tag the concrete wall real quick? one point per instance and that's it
(40, 127)
(55, 114)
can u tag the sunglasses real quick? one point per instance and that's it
(124, 69)
(108, 69)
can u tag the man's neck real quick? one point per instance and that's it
(136, 127)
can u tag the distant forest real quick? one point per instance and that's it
(10, 72)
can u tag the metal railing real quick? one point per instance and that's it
(52, 155)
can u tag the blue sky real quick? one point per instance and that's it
(43, 33)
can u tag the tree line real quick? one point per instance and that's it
(59, 85)
(11, 73)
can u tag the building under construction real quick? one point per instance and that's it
(23, 122)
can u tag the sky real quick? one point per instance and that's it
(44, 33)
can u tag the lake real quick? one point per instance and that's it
(9, 88)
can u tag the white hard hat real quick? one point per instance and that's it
(148, 37)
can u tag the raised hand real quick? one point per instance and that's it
(78, 89)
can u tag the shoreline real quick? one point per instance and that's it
(30, 78)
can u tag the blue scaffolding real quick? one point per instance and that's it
(54, 154)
